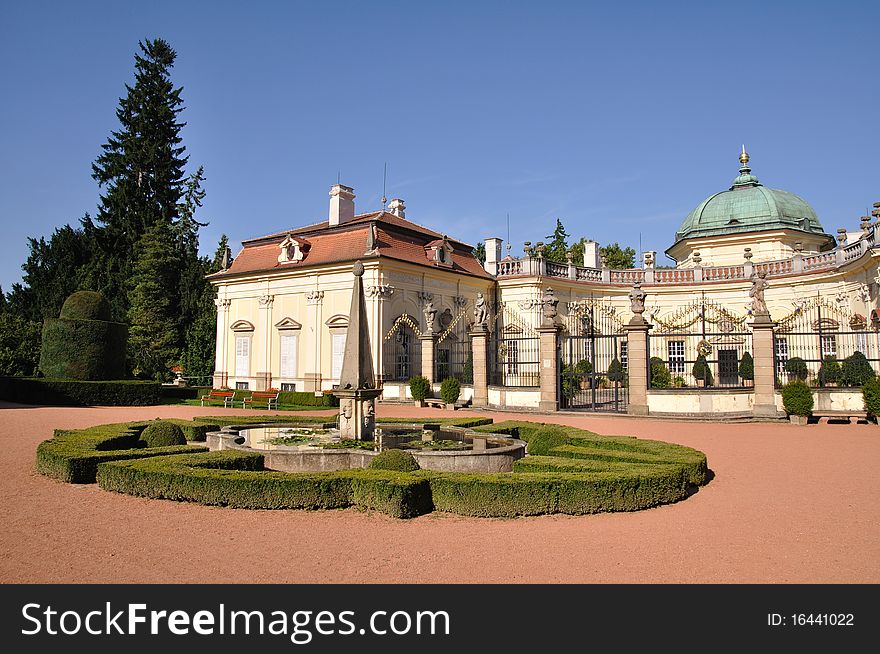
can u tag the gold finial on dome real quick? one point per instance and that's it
(744, 157)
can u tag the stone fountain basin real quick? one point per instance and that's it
(490, 452)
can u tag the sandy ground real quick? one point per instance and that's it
(787, 504)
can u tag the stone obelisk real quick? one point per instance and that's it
(357, 391)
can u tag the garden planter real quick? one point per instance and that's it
(798, 420)
(701, 383)
(748, 383)
(419, 403)
(450, 407)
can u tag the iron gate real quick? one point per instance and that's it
(593, 359)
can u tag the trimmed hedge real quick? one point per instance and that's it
(67, 392)
(871, 397)
(85, 305)
(237, 479)
(577, 473)
(394, 460)
(286, 398)
(73, 455)
(183, 392)
(419, 387)
(450, 389)
(162, 434)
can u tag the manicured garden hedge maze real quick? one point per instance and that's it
(568, 470)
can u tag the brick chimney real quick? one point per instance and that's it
(341, 204)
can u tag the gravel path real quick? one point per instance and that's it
(788, 504)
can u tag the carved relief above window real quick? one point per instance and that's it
(293, 249)
(241, 326)
(287, 324)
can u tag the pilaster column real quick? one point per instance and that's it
(637, 364)
(264, 349)
(429, 346)
(314, 303)
(549, 376)
(221, 373)
(765, 367)
(480, 349)
(377, 294)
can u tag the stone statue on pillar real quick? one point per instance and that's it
(637, 298)
(548, 305)
(759, 285)
(480, 313)
(430, 313)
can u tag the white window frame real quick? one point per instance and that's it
(287, 369)
(781, 355)
(829, 346)
(242, 355)
(675, 360)
(337, 353)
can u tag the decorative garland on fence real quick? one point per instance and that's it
(404, 319)
(786, 323)
(577, 310)
(452, 325)
(721, 314)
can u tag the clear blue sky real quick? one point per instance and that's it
(617, 117)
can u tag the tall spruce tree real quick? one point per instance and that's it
(141, 169)
(557, 244)
(153, 337)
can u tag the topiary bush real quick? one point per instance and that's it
(747, 367)
(660, 376)
(71, 392)
(701, 370)
(450, 389)
(163, 434)
(545, 439)
(82, 343)
(829, 371)
(797, 399)
(616, 373)
(871, 397)
(856, 370)
(419, 387)
(796, 369)
(394, 460)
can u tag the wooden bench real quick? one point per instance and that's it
(825, 414)
(269, 397)
(216, 396)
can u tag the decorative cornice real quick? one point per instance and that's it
(222, 304)
(526, 305)
(266, 301)
(315, 297)
(425, 297)
(459, 302)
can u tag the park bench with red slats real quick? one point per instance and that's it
(216, 396)
(269, 397)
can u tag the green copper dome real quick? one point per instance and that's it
(748, 206)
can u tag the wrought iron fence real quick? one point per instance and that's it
(819, 341)
(514, 360)
(454, 354)
(402, 355)
(702, 345)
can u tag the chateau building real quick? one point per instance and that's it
(559, 335)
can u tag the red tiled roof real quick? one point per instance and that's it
(396, 238)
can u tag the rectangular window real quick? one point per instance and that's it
(242, 356)
(289, 346)
(829, 346)
(675, 356)
(242, 386)
(623, 352)
(512, 357)
(781, 355)
(288, 388)
(862, 342)
(337, 351)
(443, 359)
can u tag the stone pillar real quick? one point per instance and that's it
(429, 365)
(549, 356)
(263, 351)
(637, 365)
(314, 305)
(480, 349)
(765, 367)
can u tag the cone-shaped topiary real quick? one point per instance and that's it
(829, 371)
(747, 366)
(394, 460)
(419, 387)
(616, 373)
(163, 434)
(796, 368)
(797, 399)
(701, 370)
(450, 389)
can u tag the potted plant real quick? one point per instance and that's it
(450, 389)
(747, 369)
(701, 371)
(829, 371)
(797, 399)
(419, 388)
(796, 369)
(660, 375)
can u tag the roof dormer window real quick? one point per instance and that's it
(439, 252)
(293, 249)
